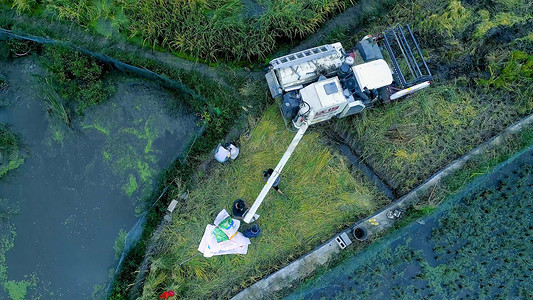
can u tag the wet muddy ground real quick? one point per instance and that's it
(79, 186)
(477, 245)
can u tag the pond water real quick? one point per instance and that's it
(78, 187)
(477, 245)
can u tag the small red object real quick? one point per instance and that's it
(166, 295)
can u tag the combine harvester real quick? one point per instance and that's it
(320, 83)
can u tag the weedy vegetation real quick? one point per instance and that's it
(54, 103)
(3, 84)
(21, 48)
(120, 242)
(322, 197)
(77, 79)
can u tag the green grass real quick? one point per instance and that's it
(54, 103)
(483, 83)
(322, 198)
(203, 29)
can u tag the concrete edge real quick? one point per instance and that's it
(306, 265)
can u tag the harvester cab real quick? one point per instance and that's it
(320, 83)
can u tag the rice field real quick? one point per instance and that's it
(322, 196)
(477, 245)
(211, 30)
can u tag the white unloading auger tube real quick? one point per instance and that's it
(410, 90)
(295, 141)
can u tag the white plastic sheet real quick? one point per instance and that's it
(236, 243)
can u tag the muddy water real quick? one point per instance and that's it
(78, 187)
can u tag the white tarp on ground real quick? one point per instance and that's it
(223, 237)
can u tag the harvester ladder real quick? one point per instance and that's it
(302, 56)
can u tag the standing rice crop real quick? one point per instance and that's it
(212, 30)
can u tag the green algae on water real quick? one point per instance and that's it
(131, 186)
(11, 156)
(132, 148)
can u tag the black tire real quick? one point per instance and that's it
(384, 95)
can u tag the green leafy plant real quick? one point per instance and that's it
(79, 78)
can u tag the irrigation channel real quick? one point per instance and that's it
(476, 245)
(79, 186)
